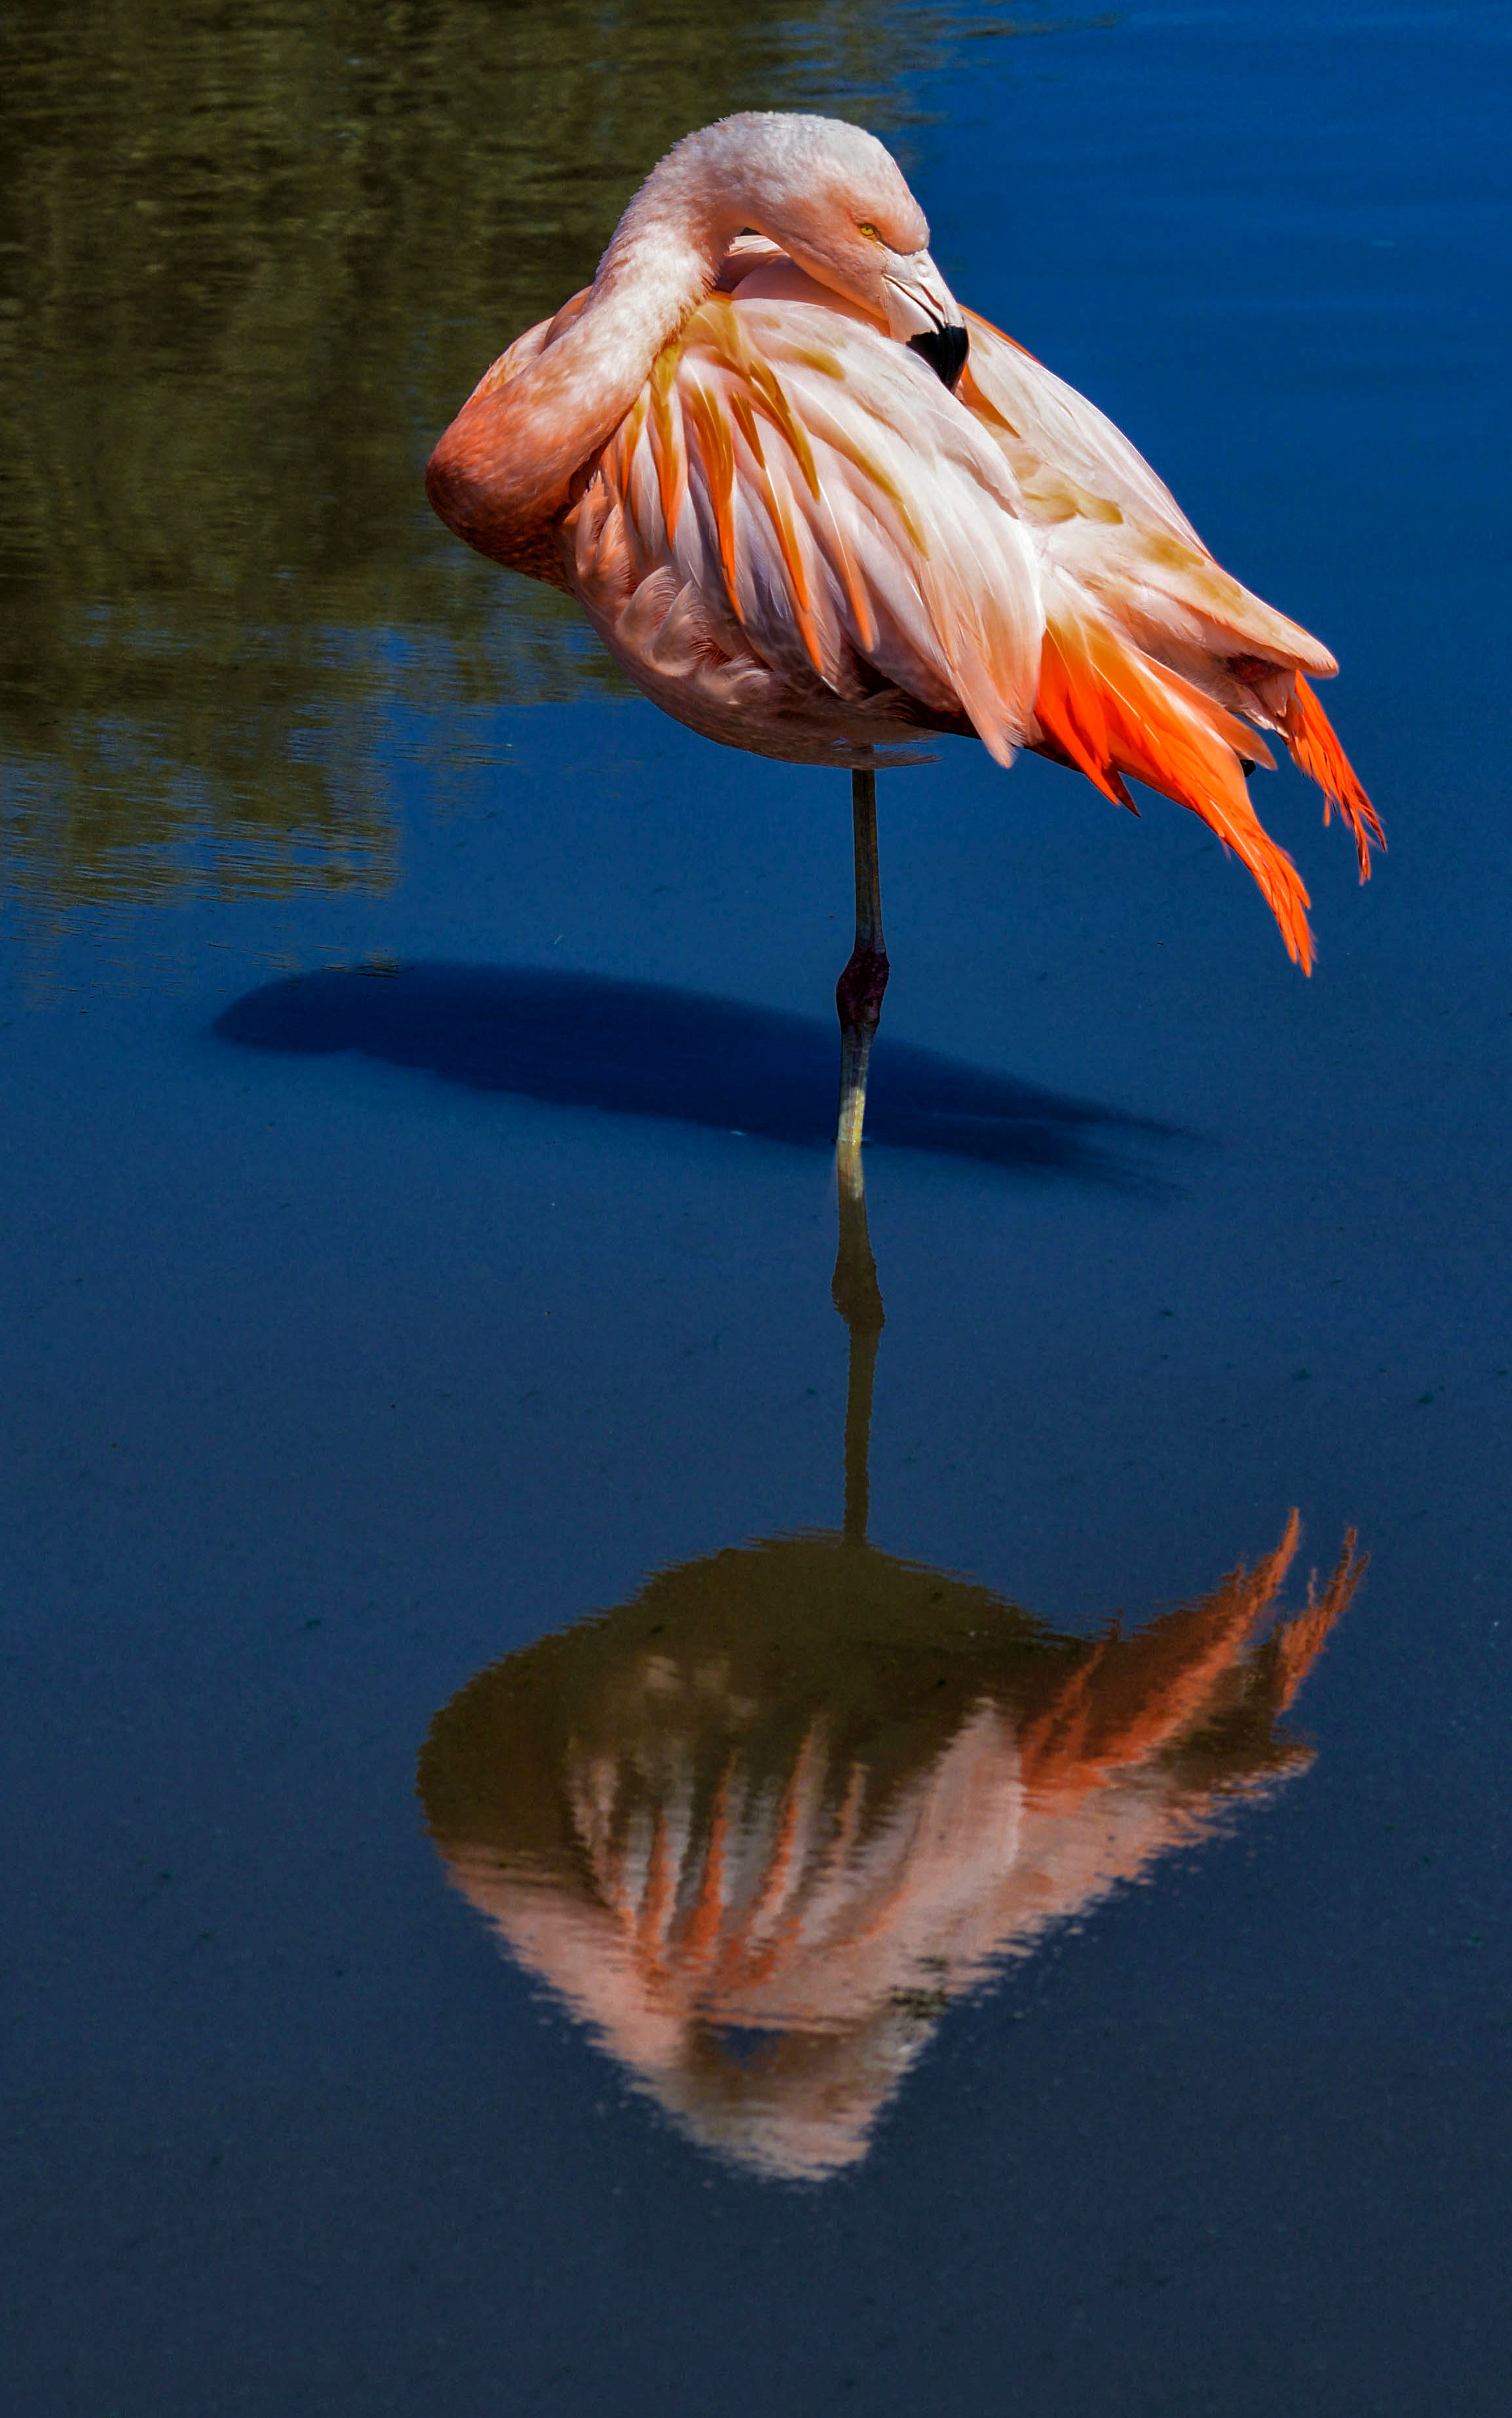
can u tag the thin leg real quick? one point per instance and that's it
(858, 1297)
(858, 994)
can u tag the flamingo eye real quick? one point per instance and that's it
(866, 227)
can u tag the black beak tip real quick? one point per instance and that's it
(945, 350)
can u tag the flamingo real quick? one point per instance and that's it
(816, 508)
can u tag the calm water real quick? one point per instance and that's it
(551, 1865)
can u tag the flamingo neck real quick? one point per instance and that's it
(505, 471)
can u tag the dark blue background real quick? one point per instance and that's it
(328, 1379)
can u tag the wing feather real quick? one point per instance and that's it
(799, 540)
(1112, 711)
(1102, 517)
(836, 513)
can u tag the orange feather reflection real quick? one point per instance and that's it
(759, 1825)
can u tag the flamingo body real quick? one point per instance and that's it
(798, 539)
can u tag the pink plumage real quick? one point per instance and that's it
(741, 453)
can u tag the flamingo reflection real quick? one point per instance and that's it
(759, 1825)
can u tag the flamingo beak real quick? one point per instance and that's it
(923, 314)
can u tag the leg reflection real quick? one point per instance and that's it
(858, 1299)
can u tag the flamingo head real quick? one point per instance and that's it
(839, 205)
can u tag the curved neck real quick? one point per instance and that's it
(503, 473)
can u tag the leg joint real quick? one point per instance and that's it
(858, 994)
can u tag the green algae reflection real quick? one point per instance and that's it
(250, 259)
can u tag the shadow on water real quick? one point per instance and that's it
(640, 1050)
(760, 1825)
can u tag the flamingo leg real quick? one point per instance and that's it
(858, 994)
(858, 1297)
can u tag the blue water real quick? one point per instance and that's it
(405, 1264)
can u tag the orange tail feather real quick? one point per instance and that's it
(1315, 751)
(1299, 1642)
(1109, 711)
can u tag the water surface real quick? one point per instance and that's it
(589, 1825)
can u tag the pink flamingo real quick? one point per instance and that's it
(814, 509)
